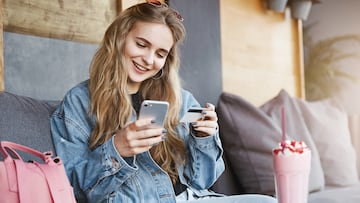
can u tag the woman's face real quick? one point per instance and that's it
(146, 48)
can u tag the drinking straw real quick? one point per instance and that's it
(283, 136)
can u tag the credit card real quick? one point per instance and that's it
(193, 114)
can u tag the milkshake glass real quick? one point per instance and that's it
(292, 163)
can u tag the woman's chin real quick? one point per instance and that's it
(137, 79)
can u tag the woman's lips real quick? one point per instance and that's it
(139, 68)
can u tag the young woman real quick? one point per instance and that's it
(109, 154)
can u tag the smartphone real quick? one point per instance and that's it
(156, 110)
(193, 114)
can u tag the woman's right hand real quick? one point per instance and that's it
(137, 137)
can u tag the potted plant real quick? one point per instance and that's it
(300, 9)
(277, 5)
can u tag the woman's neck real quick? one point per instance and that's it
(132, 88)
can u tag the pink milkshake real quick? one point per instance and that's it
(292, 162)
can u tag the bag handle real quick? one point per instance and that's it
(11, 146)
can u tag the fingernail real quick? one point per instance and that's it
(153, 121)
(210, 105)
(164, 131)
(163, 137)
(204, 112)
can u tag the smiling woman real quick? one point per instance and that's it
(109, 152)
(196, 62)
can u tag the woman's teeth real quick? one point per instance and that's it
(140, 67)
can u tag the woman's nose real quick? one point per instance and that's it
(149, 58)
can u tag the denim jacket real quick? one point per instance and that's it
(102, 175)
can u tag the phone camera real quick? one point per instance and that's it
(147, 104)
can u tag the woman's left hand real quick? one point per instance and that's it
(208, 124)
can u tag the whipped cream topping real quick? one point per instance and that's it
(291, 147)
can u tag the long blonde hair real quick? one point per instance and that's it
(110, 100)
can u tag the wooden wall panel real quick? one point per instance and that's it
(260, 51)
(75, 20)
(127, 3)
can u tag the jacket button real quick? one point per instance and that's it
(115, 163)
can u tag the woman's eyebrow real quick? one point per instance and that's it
(149, 43)
(143, 39)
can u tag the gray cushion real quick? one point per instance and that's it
(249, 134)
(25, 121)
(227, 183)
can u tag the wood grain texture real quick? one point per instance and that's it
(127, 3)
(260, 51)
(75, 20)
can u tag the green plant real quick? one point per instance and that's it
(322, 71)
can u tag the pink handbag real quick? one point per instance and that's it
(32, 182)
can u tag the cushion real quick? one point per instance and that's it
(329, 127)
(249, 134)
(354, 127)
(25, 121)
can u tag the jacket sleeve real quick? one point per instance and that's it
(204, 163)
(92, 173)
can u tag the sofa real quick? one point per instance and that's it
(248, 134)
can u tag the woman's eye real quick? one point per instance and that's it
(142, 45)
(160, 55)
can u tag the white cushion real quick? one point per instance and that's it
(328, 125)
